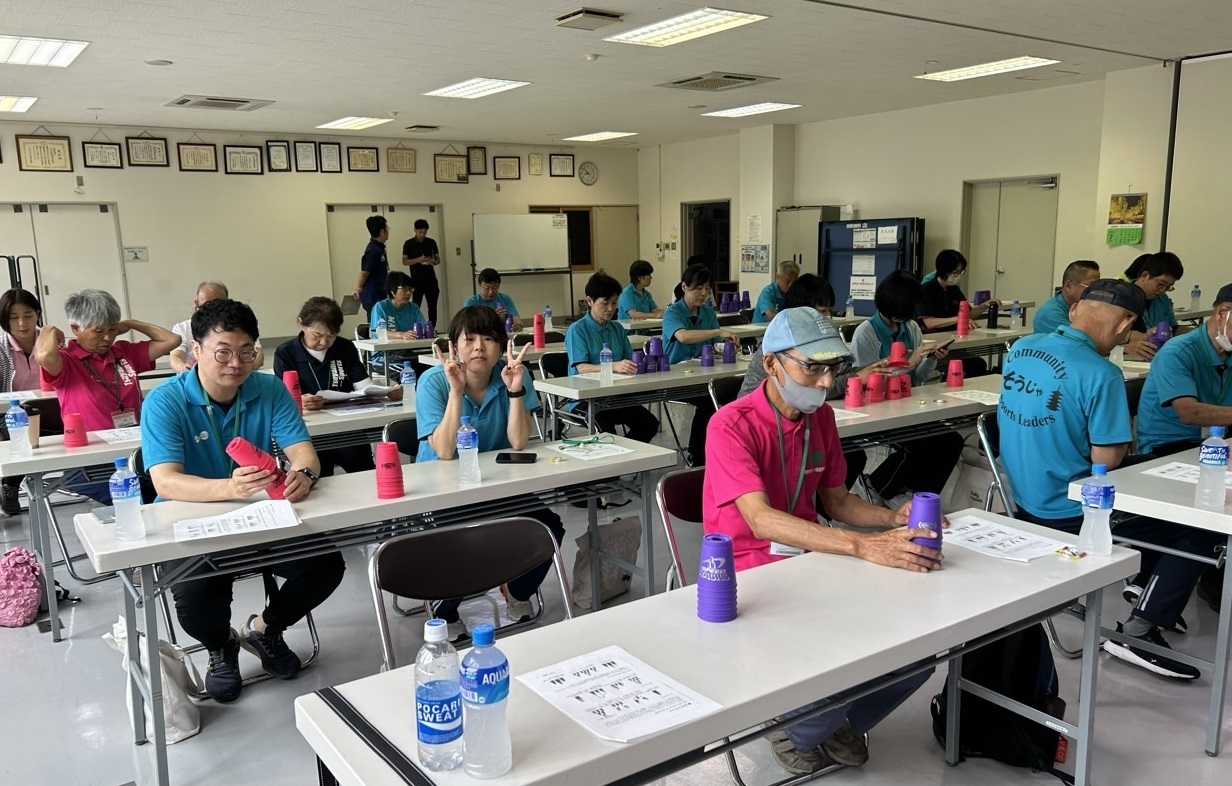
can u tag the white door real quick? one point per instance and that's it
(78, 248)
(1012, 232)
(17, 244)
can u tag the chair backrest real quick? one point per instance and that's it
(848, 331)
(148, 493)
(454, 561)
(680, 499)
(554, 364)
(363, 332)
(724, 390)
(1133, 392)
(989, 432)
(51, 423)
(404, 432)
(747, 313)
(732, 319)
(550, 337)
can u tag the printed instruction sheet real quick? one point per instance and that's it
(267, 514)
(988, 537)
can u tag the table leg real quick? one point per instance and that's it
(590, 416)
(133, 644)
(648, 533)
(596, 581)
(953, 710)
(1219, 676)
(149, 603)
(1086, 688)
(40, 538)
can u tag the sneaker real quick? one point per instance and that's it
(9, 503)
(846, 747)
(517, 610)
(1180, 626)
(1132, 592)
(456, 631)
(1210, 588)
(794, 760)
(222, 675)
(276, 657)
(1156, 664)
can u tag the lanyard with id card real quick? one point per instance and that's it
(121, 417)
(782, 549)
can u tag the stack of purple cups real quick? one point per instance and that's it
(744, 300)
(707, 355)
(656, 352)
(716, 580)
(926, 514)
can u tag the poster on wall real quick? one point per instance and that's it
(863, 287)
(1126, 218)
(755, 258)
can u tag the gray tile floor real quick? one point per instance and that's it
(64, 720)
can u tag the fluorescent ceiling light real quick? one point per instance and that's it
(599, 136)
(685, 27)
(987, 69)
(356, 123)
(23, 50)
(751, 109)
(16, 103)
(476, 88)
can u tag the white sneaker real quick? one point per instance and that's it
(456, 630)
(518, 610)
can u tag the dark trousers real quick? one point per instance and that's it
(430, 291)
(1166, 580)
(919, 464)
(203, 606)
(353, 458)
(703, 410)
(638, 422)
(523, 586)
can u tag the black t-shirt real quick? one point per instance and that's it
(413, 249)
(339, 371)
(939, 302)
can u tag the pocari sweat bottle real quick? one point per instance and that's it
(125, 490)
(547, 317)
(382, 329)
(605, 365)
(1098, 494)
(18, 423)
(487, 748)
(408, 382)
(849, 310)
(1195, 298)
(1016, 314)
(1212, 471)
(438, 700)
(468, 453)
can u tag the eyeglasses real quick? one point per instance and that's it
(838, 368)
(224, 355)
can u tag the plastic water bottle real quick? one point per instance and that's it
(126, 498)
(547, 317)
(1212, 471)
(438, 700)
(487, 749)
(382, 330)
(849, 310)
(468, 453)
(408, 382)
(18, 423)
(1016, 314)
(1098, 494)
(605, 365)
(1195, 298)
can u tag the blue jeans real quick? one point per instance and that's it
(862, 714)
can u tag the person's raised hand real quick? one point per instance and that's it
(455, 374)
(513, 373)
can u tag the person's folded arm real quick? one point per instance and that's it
(1194, 413)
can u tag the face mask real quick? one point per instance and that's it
(802, 397)
(1222, 339)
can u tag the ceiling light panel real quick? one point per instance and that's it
(476, 88)
(695, 24)
(355, 123)
(600, 136)
(751, 109)
(16, 103)
(988, 69)
(54, 52)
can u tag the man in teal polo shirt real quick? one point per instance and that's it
(1055, 311)
(186, 425)
(489, 294)
(1155, 275)
(1189, 387)
(1063, 408)
(773, 296)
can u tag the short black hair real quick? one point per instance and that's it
(898, 294)
(375, 225)
(395, 279)
(224, 315)
(323, 310)
(477, 321)
(489, 276)
(638, 269)
(1077, 270)
(1135, 268)
(17, 297)
(421, 224)
(1164, 263)
(696, 275)
(809, 291)
(601, 286)
(948, 261)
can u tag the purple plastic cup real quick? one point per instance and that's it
(729, 352)
(982, 296)
(707, 355)
(926, 514)
(664, 363)
(716, 580)
(656, 346)
(639, 360)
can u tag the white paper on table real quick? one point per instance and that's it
(615, 696)
(267, 514)
(1136, 365)
(863, 265)
(338, 395)
(863, 287)
(595, 375)
(887, 235)
(589, 451)
(864, 238)
(1186, 473)
(995, 540)
(354, 409)
(115, 435)
(978, 396)
(847, 414)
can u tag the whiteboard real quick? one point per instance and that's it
(511, 242)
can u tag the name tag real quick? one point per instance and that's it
(124, 418)
(783, 550)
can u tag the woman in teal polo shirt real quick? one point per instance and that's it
(636, 302)
(399, 313)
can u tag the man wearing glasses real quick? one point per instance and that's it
(187, 424)
(182, 356)
(768, 456)
(1156, 275)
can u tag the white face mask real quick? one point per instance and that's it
(1222, 340)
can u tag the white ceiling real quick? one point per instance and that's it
(322, 59)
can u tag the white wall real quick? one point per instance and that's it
(266, 236)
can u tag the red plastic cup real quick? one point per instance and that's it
(290, 378)
(964, 322)
(876, 388)
(855, 393)
(898, 354)
(75, 435)
(954, 374)
(904, 385)
(540, 337)
(389, 479)
(894, 390)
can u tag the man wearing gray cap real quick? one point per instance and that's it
(768, 455)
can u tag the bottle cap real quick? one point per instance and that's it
(1099, 469)
(1217, 431)
(466, 420)
(121, 462)
(407, 364)
(13, 403)
(435, 630)
(483, 635)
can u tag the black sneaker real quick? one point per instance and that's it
(1156, 664)
(222, 675)
(9, 503)
(1210, 588)
(276, 657)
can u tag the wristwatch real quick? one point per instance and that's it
(519, 394)
(312, 476)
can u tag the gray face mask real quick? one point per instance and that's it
(1222, 339)
(802, 397)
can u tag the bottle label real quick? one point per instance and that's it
(468, 439)
(487, 685)
(125, 488)
(438, 719)
(1098, 497)
(1213, 455)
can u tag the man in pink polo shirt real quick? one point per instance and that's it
(768, 455)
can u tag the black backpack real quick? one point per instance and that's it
(1019, 666)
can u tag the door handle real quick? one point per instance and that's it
(1000, 271)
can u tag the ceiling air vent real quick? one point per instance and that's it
(718, 81)
(588, 19)
(218, 102)
(422, 129)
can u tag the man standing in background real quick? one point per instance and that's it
(421, 255)
(374, 265)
